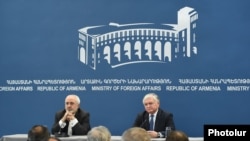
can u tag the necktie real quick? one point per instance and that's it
(151, 122)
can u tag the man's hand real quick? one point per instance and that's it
(69, 115)
(153, 134)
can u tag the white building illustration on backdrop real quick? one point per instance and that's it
(117, 45)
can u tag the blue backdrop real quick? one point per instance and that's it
(39, 43)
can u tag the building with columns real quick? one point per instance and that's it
(116, 44)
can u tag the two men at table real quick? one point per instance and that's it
(75, 121)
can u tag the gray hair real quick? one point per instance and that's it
(99, 133)
(76, 97)
(152, 95)
(135, 134)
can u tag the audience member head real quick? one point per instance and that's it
(72, 103)
(38, 133)
(53, 139)
(135, 134)
(99, 133)
(177, 135)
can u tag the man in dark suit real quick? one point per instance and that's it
(72, 120)
(154, 119)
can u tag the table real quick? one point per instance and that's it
(23, 137)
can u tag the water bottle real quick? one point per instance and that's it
(167, 131)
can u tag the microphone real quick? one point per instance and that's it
(61, 134)
(143, 123)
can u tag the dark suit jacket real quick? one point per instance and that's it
(81, 128)
(163, 119)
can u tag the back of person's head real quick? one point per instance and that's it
(177, 135)
(135, 134)
(53, 139)
(38, 133)
(99, 133)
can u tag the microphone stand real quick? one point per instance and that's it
(61, 134)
